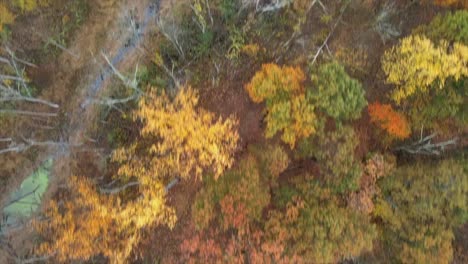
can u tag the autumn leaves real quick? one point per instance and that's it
(287, 109)
(290, 107)
(246, 204)
(177, 139)
(414, 66)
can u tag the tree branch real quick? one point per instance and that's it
(426, 147)
(21, 197)
(325, 43)
(118, 189)
(27, 113)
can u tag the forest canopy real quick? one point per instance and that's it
(234, 131)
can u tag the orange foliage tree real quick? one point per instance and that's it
(287, 108)
(241, 193)
(251, 247)
(226, 213)
(386, 118)
(461, 3)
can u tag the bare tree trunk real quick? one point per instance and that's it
(28, 99)
(325, 43)
(56, 44)
(172, 184)
(20, 90)
(172, 34)
(424, 146)
(27, 113)
(277, 4)
(118, 189)
(29, 143)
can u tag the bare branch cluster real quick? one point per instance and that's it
(425, 146)
(14, 86)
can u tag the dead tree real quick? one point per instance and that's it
(14, 87)
(295, 34)
(119, 189)
(275, 5)
(14, 146)
(56, 44)
(383, 24)
(171, 32)
(325, 42)
(424, 146)
(129, 83)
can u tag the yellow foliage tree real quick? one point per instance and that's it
(90, 223)
(184, 139)
(416, 64)
(30, 5)
(287, 107)
(6, 17)
(177, 139)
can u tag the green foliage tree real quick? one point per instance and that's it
(440, 106)
(337, 94)
(416, 64)
(317, 228)
(287, 107)
(334, 152)
(419, 207)
(451, 26)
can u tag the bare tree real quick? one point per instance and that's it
(131, 83)
(172, 32)
(56, 44)
(14, 86)
(425, 146)
(383, 22)
(275, 5)
(325, 42)
(119, 189)
(23, 144)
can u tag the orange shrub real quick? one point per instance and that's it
(394, 123)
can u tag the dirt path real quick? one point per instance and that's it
(77, 81)
(89, 76)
